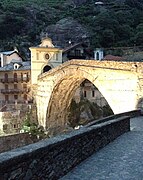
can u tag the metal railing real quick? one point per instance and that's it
(9, 91)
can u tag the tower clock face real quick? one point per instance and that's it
(47, 56)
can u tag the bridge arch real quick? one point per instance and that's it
(56, 90)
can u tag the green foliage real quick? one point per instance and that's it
(74, 114)
(107, 111)
(114, 24)
(85, 106)
(32, 128)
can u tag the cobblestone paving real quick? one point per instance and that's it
(120, 160)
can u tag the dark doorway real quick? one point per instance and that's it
(46, 68)
(97, 56)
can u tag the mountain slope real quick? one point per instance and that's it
(110, 24)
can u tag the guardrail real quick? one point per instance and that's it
(12, 80)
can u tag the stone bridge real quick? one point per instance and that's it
(121, 83)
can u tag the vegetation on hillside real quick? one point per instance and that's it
(115, 23)
(85, 111)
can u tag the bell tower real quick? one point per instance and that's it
(43, 58)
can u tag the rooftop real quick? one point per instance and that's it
(23, 66)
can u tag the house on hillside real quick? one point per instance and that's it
(15, 82)
(7, 56)
(77, 51)
(14, 78)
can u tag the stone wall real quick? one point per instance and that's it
(14, 141)
(11, 120)
(116, 65)
(53, 158)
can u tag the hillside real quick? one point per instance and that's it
(110, 24)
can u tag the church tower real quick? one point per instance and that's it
(43, 58)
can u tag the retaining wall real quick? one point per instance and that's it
(14, 141)
(53, 158)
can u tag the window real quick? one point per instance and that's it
(15, 97)
(25, 75)
(5, 127)
(6, 97)
(77, 52)
(57, 57)
(15, 86)
(93, 93)
(15, 77)
(14, 126)
(6, 86)
(24, 86)
(84, 93)
(25, 97)
(47, 56)
(21, 77)
(15, 66)
(6, 77)
(37, 56)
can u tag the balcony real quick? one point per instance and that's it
(14, 91)
(12, 80)
(4, 102)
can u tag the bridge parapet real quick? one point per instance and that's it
(116, 65)
(53, 158)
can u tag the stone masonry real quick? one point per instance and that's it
(53, 158)
(121, 83)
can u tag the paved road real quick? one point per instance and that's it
(120, 160)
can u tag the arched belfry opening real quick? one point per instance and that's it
(46, 68)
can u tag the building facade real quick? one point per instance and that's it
(88, 91)
(15, 83)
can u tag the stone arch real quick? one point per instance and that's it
(59, 104)
(57, 87)
(140, 104)
(63, 92)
